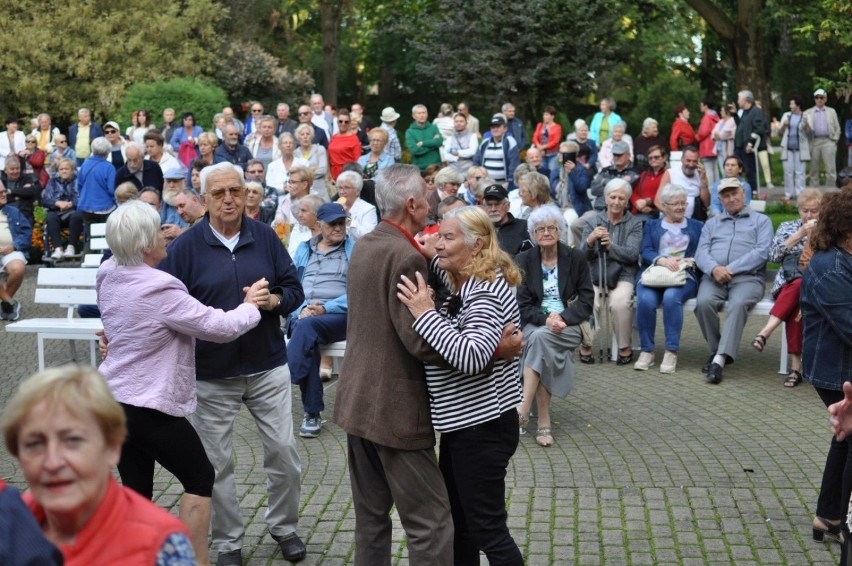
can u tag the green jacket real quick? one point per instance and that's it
(424, 155)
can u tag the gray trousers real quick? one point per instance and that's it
(267, 397)
(741, 294)
(383, 476)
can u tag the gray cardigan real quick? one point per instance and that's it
(626, 239)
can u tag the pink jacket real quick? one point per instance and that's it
(151, 322)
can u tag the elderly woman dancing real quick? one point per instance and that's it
(157, 392)
(474, 400)
(555, 296)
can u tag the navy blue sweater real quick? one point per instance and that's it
(216, 277)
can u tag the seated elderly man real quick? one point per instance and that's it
(138, 170)
(190, 206)
(512, 234)
(323, 264)
(15, 237)
(732, 254)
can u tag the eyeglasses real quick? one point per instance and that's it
(429, 180)
(30, 141)
(256, 110)
(678, 204)
(255, 171)
(654, 157)
(304, 113)
(546, 230)
(219, 194)
(820, 96)
(292, 182)
(110, 131)
(339, 224)
(343, 121)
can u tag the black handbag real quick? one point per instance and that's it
(613, 272)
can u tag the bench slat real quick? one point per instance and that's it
(97, 230)
(76, 326)
(66, 296)
(66, 277)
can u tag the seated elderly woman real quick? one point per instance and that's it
(611, 241)
(474, 398)
(378, 158)
(65, 430)
(298, 186)
(534, 190)
(448, 181)
(362, 215)
(787, 247)
(158, 392)
(667, 242)
(555, 296)
(306, 226)
(617, 134)
(323, 265)
(59, 199)
(254, 200)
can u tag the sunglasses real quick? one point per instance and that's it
(343, 121)
(256, 110)
(110, 131)
(303, 113)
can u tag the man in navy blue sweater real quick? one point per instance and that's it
(216, 259)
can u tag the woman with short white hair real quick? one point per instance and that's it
(316, 156)
(555, 298)
(158, 392)
(362, 215)
(278, 172)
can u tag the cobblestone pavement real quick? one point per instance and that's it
(646, 468)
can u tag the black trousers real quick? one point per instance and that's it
(153, 436)
(473, 461)
(748, 160)
(836, 487)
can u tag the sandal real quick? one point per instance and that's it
(823, 527)
(587, 358)
(543, 437)
(624, 360)
(793, 378)
(759, 342)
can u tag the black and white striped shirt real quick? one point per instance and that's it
(467, 337)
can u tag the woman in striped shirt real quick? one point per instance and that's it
(474, 400)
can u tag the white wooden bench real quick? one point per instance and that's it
(66, 287)
(762, 308)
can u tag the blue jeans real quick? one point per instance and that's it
(672, 298)
(303, 354)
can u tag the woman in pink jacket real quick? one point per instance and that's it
(151, 323)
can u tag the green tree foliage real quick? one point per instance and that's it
(247, 71)
(541, 53)
(658, 99)
(201, 97)
(58, 55)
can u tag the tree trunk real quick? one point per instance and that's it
(744, 39)
(330, 17)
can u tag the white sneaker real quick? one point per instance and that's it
(669, 363)
(57, 254)
(646, 360)
(70, 251)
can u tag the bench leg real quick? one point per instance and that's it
(92, 353)
(73, 350)
(783, 369)
(40, 353)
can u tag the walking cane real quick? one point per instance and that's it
(756, 137)
(603, 304)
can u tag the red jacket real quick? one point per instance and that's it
(554, 137)
(682, 135)
(125, 529)
(706, 143)
(647, 187)
(341, 150)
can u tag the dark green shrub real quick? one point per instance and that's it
(183, 94)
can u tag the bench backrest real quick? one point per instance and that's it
(67, 287)
(97, 236)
